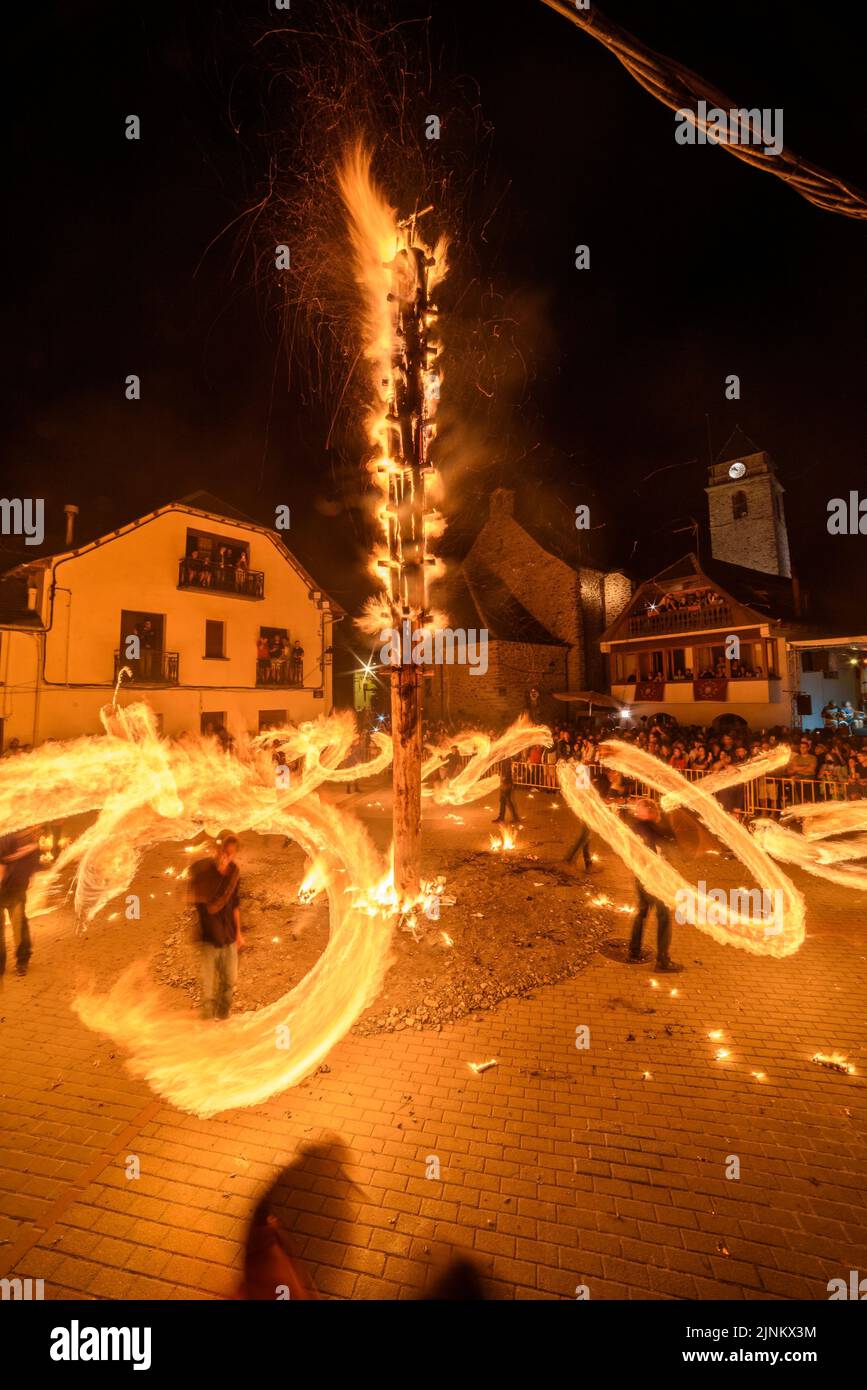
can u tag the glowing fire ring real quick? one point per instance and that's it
(661, 879)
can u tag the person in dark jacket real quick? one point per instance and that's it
(648, 824)
(19, 861)
(214, 890)
(507, 786)
(581, 845)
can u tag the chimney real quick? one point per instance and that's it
(502, 502)
(71, 513)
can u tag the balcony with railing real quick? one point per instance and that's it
(151, 668)
(208, 577)
(759, 690)
(280, 672)
(693, 618)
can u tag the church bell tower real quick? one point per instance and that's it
(745, 502)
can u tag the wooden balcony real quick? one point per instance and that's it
(220, 579)
(745, 691)
(699, 618)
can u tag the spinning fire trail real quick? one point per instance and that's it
(396, 271)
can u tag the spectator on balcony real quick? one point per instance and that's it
(297, 663)
(263, 658)
(241, 568)
(275, 658)
(147, 639)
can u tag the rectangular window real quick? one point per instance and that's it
(211, 720)
(625, 665)
(224, 550)
(271, 719)
(676, 663)
(215, 639)
(770, 657)
(710, 661)
(650, 665)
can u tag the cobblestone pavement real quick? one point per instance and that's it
(559, 1166)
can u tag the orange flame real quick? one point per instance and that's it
(660, 878)
(382, 263)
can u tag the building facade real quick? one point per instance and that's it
(204, 614)
(729, 635)
(747, 515)
(701, 640)
(544, 613)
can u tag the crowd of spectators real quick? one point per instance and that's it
(279, 661)
(820, 755)
(691, 602)
(225, 567)
(723, 670)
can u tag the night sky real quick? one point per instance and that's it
(700, 267)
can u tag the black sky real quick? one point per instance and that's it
(700, 267)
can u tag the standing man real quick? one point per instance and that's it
(19, 861)
(803, 764)
(648, 825)
(582, 843)
(453, 764)
(507, 786)
(214, 890)
(147, 642)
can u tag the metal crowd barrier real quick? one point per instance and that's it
(764, 796)
(769, 796)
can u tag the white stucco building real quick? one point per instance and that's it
(202, 592)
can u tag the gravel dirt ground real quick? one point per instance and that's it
(557, 1166)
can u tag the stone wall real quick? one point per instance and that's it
(497, 698)
(546, 586)
(758, 540)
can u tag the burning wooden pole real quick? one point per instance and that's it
(409, 470)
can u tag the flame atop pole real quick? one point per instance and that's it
(397, 270)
